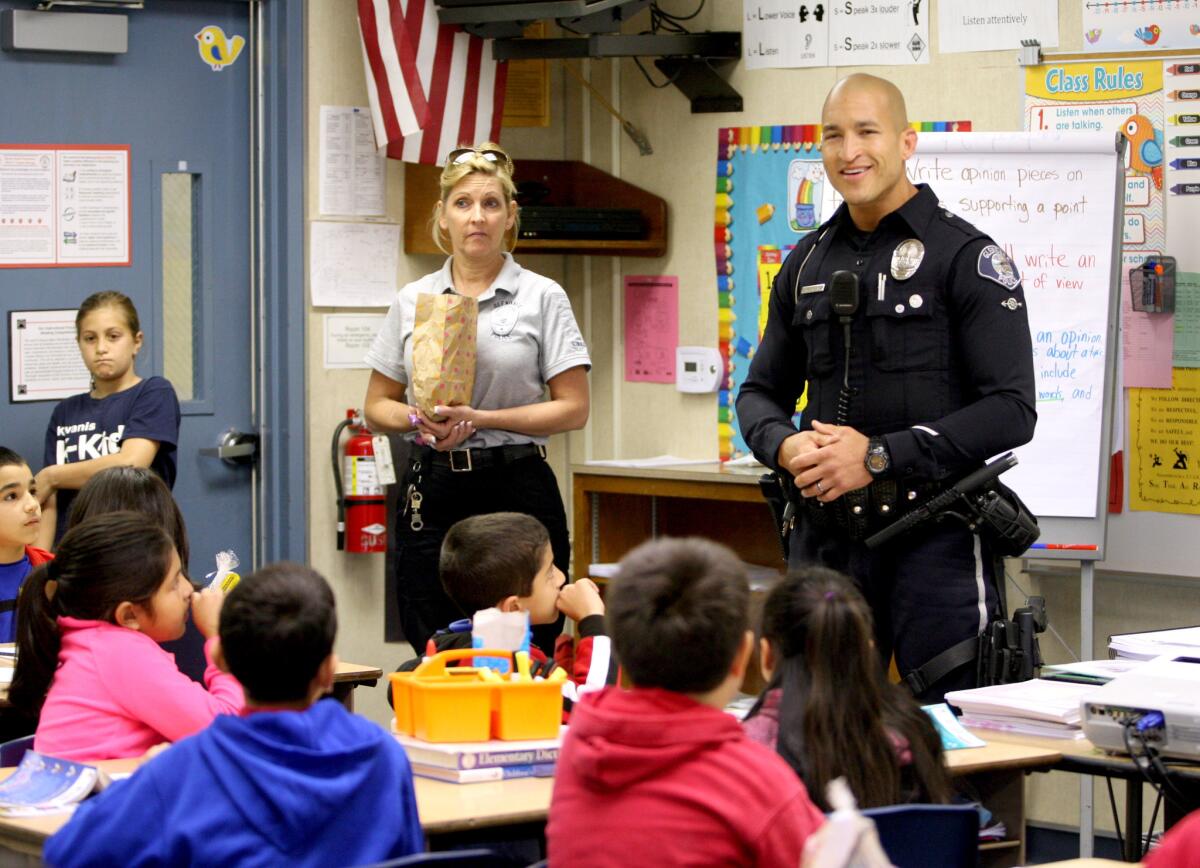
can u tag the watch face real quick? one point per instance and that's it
(877, 462)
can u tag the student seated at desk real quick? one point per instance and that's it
(20, 518)
(661, 768)
(142, 490)
(504, 560)
(828, 709)
(89, 666)
(296, 780)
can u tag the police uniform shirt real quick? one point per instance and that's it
(527, 336)
(941, 362)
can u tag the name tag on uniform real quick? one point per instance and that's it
(811, 288)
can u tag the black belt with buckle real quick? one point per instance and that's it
(481, 458)
(858, 514)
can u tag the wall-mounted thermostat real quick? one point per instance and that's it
(698, 369)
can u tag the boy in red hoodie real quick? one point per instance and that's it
(1180, 847)
(661, 767)
(20, 518)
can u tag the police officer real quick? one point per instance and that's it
(936, 376)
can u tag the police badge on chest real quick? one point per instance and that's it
(906, 258)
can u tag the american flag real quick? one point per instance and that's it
(432, 86)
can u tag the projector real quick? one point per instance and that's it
(1162, 695)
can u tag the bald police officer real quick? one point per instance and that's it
(936, 378)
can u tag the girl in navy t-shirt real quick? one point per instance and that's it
(123, 420)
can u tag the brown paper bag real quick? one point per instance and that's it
(443, 351)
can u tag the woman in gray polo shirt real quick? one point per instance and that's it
(490, 456)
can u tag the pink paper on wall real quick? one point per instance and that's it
(651, 328)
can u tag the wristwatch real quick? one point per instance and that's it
(878, 461)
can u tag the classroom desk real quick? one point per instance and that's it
(448, 811)
(1082, 757)
(518, 808)
(996, 773)
(346, 677)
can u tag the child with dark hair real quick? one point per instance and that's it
(139, 489)
(88, 627)
(123, 420)
(662, 767)
(828, 708)
(20, 520)
(293, 781)
(503, 560)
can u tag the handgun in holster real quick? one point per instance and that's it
(775, 491)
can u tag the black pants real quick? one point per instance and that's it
(927, 590)
(527, 486)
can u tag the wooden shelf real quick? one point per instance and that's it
(570, 182)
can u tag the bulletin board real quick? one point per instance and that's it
(771, 191)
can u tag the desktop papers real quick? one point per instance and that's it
(1179, 642)
(1034, 707)
(1090, 671)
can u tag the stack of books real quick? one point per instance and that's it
(478, 761)
(1034, 707)
(47, 785)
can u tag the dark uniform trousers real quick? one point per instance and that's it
(940, 367)
(528, 486)
(928, 591)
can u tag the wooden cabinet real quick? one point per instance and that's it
(616, 508)
(569, 182)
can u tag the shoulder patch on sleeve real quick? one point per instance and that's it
(994, 265)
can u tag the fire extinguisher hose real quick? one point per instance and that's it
(338, 485)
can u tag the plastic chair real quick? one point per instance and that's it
(12, 751)
(478, 856)
(922, 836)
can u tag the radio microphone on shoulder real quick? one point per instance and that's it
(843, 293)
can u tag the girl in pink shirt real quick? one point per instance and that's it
(88, 628)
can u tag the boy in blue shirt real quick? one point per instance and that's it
(296, 780)
(20, 520)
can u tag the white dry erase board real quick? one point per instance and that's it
(1054, 202)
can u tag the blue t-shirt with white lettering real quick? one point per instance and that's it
(11, 576)
(82, 428)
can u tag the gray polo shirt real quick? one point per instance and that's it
(527, 336)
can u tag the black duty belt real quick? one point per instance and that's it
(482, 458)
(858, 514)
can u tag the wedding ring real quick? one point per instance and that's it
(820, 490)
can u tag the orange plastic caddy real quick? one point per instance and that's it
(439, 703)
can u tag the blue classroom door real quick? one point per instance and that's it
(187, 126)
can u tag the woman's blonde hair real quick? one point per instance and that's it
(455, 172)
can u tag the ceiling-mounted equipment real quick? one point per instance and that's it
(689, 60)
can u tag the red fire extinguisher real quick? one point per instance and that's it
(362, 507)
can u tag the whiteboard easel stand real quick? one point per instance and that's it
(1094, 530)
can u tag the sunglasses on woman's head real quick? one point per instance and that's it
(462, 155)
